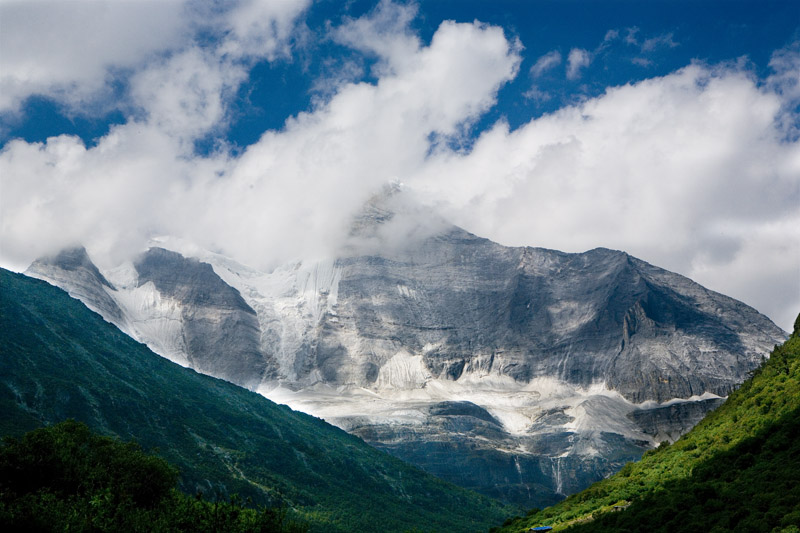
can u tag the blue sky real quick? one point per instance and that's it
(668, 129)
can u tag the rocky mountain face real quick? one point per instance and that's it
(176, 304)
(219, 330)
(524, 373)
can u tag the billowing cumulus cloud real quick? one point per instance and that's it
(76, 52)
(289, 194)
(384, 33)
(66, 49)
(696, 171)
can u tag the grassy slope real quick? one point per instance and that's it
(59, 360)
(738, 470)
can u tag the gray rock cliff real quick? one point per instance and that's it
(523, 373)
(73, 270)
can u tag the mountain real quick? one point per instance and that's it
(737, 470)
(60, 360)
(524, 373)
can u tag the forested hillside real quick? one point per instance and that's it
(738, 470)
(60, 360)
(66, 478)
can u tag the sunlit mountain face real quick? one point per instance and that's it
(524, 373)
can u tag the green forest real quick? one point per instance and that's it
(66, 478)
(738, 470)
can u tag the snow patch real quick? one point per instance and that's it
(403, 371)
(289, 302)
(651, 404)
(150, 318)
(407, 292)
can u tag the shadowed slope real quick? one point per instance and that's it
(61, 360)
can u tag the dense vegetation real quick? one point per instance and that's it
(66, 478)
(58, 360)
(738, 470)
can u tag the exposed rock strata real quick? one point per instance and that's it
(524, 373)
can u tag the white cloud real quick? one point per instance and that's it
(659, 41)
(329, 161)
(65, 49)
(785, 80)
(763, 268)
(184, 95)
(630, 36)
(108, 197)
(384, 32)
(577, 59)
(537, 95)
(262, 29)
(134, 183)
(647, 46)
(73, 52)
(294, 189)
(546, 62)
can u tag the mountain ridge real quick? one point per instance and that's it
(375, 339)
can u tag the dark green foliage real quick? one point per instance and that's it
(738, 470)
(68, 459)
(59, 360)
(66, 478)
